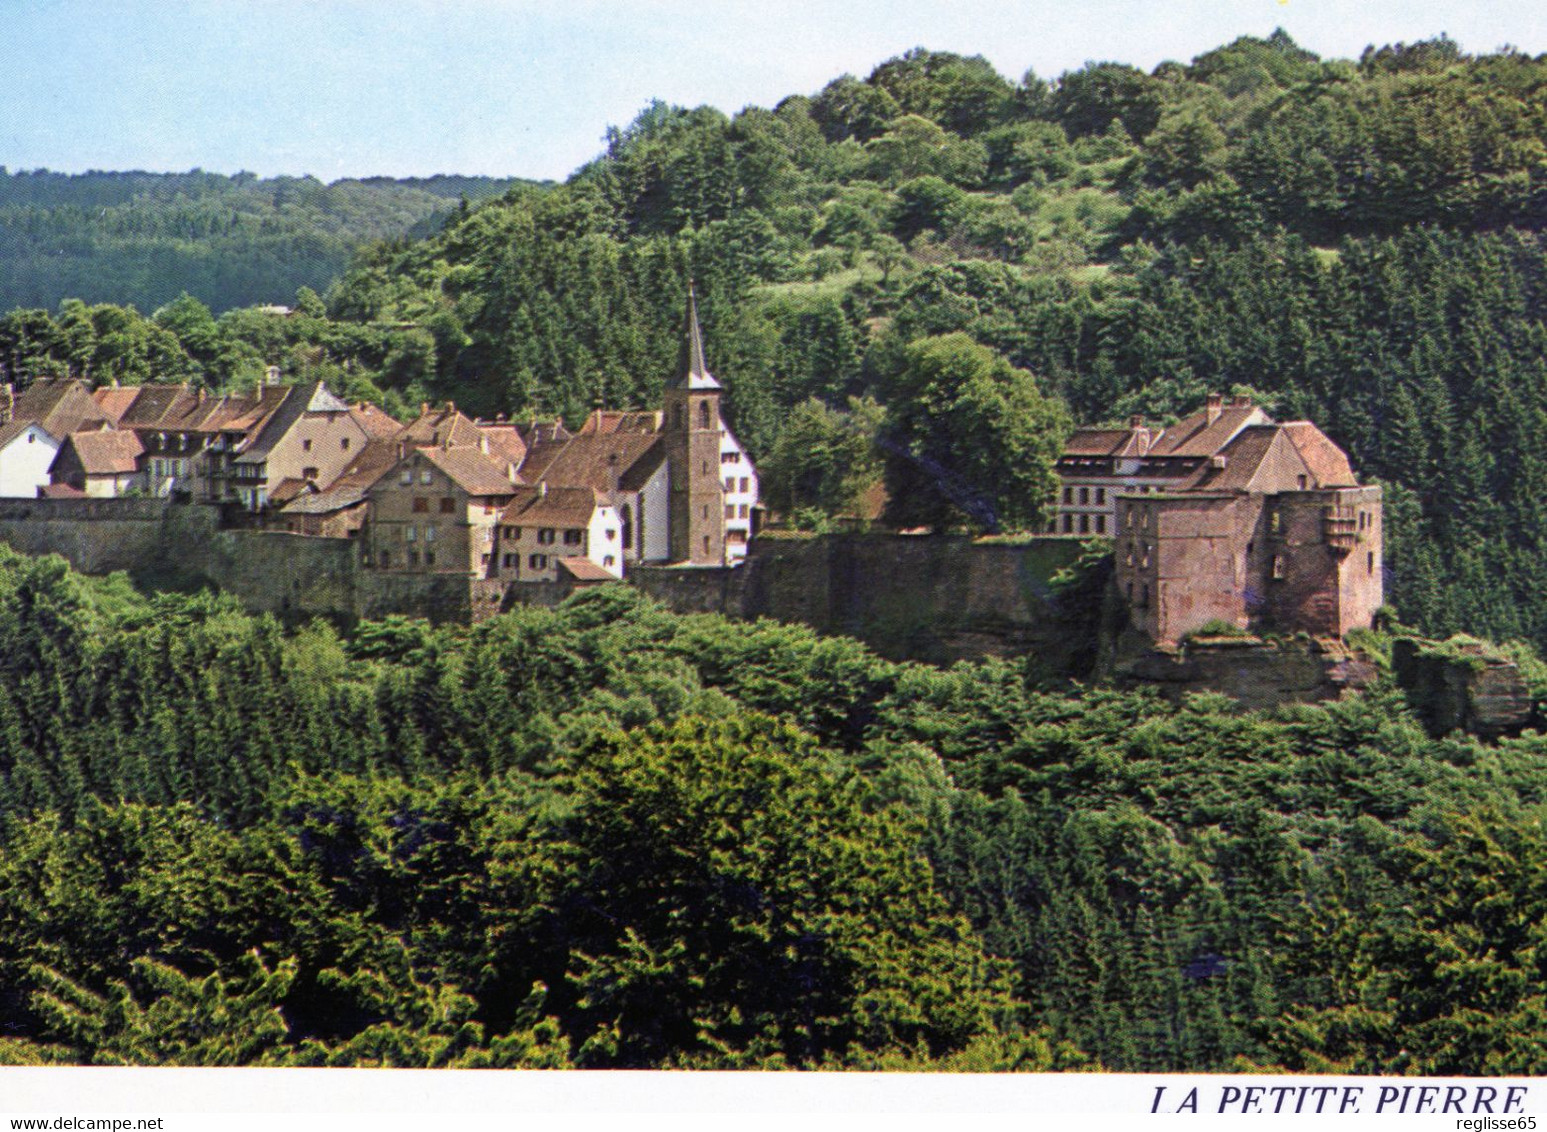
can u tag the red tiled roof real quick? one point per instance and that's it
(1197, 435)
(107, 452)
(469, 469)
(630, 420)
(59, 491)
(1110, 442)
(62, 405)
(568, 508)
(444, 426)
(1328, 463)
(584, 570)
(375, 420)
(598, 461)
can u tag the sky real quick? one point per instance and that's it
(346, 88)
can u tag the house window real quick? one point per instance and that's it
(343, 443)
(1101, 495)
(1101, 524)
(429, 558)
(512, 532)
(421, 505)
(1084, 524)
(611, 535)
(413, 558)
(730, 457)
(1369, 562)
(426, 476)
(537, 561)
(706, 510)
(1275, 522)
(1301, 481)
(730, 510)
(742, 511)
(306, 445)
(706, 467)
(407, 477)
(609, 562)
(703, 414)
(744, 485)
(730, 483)
(1278, 565)
(573, 538)
(1129, 511)
(1144, 598)
(546, 535)
(386, 560)
(308, 473)
(1144, 557)
(429, 534)
(626, 517)
(410, 533)
(1068, 524)
(509, 561)
(448, 505)
(1084, 496)
(1068, 495)
(1128, 558)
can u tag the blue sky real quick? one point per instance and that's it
(339, 88)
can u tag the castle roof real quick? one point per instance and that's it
(1206, 431)
(1328, 463)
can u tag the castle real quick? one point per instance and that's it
(1227, 518)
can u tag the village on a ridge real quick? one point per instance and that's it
(1224, 518)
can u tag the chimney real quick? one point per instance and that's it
(1136, 421)
(1218, 462)
(542, 490)
(1240, 402)
(1215, 407)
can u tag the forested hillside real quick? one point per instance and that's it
(605, 835)
(1357, 242)
(144, 238)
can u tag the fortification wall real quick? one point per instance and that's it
(96, 536)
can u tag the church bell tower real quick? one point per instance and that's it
(691, 427)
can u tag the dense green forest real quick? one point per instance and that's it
(144, 238)
(1356, 242)
(607, 835)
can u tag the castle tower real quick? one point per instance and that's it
(691, 427)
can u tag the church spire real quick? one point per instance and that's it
(694, 370)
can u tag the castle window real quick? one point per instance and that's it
(421, 505)
(1278, 565)
(1101, 495)
(448, 505)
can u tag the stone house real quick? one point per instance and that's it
(435, 511)
(1273, 531)
(545, 530)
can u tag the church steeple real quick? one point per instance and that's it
(693, 371)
